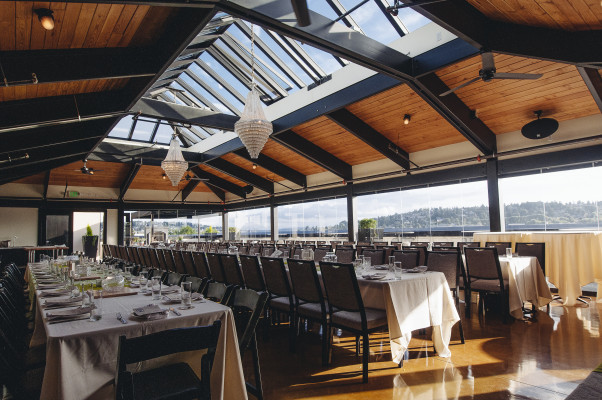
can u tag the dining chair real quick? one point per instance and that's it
(179, 262)
(320, 253)
(422, 250)
(21, 382)
(188, 260)
(174, 381)
(161, 259)
(334, 243)
(243, 249)
(232, 271)
(286, 251)
(309, 299)
(281, 295)
(425, 244)
(169, 259)
(537, 250)
(198, 285)
(255, 249)
(348, 243)
(408, 258)
(155, 259)
(247, 307)
(346, 307)
(251, 270)
(377, 257)
(215, 266)
(172, 278)
(443, 244)
(484, 275)
(397, 244)
(344, 255)
(218, 292)
(462, 245)
(500, 246)
(449, 263)
(201, 265)
(296, 251)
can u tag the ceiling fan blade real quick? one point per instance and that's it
(473, 80)
(487, 61)
(509, 75)
(301, 12)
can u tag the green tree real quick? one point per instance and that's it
(186, 230)
(367, 223)
(210, 230)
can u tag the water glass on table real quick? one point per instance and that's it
(397, 271)
(156, 287)
(391, 263)
(186, 295)
(96, 313)
(509, 252)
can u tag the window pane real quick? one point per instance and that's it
(122, 129)
(252, 224)
(325, 219)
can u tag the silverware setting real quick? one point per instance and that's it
(120, 318)
(173, 310)
(57, 321)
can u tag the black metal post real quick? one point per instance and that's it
(350, 212)
(493, 191)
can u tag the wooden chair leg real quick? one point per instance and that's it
(365, 358)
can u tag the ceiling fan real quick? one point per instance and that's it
(488, 72)
(87, 171)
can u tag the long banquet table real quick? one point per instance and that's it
(81, 356)
(416, 301)
(573, 259)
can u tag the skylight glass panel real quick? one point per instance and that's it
(176, 85)
(122, 129)
(164, 133)
(224, 73)
(208, 79)
(322, 8)
(215, 104)
(143, 130)
(412, 19)
(324, 60)
(372, 20)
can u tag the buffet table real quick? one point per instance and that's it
(573, 259)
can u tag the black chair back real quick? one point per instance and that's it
(217, 272)
(232, 270)
(276, 278)
(173, 278)
(306, 284)
(252, 272)
(447, 262)
(201, 264)
(408, 258)
(344, 255)
(341, 287)
(198, 285)
(376, 256)
(500, 246)
(482, 263)
(421, 249)
(179, 262)
(319, 253)
(537, 250)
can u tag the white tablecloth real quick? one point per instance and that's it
(81, 356)
(573, 259)
(526, 282)
(416, 301)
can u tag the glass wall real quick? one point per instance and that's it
(553, 201)
(317, 219)
(252, 224)
(169, 226)
(438, 213)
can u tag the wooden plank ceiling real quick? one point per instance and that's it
(150, 177)
(288, 157)
(574, 15)
(506, 105)
(248, 165)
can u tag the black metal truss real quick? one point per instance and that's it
(128, 180)
(241, 174)
(275, 167)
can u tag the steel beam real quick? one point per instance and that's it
(316, 154)
(593, 81)
(219, 182)
(184, 114)
(189, 188)
(46, 182)
(242, 174)
(354, 125)
(127, 153)
(274, 166)
(216, 191)
(128, 181)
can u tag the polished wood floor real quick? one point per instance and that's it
(545, 359)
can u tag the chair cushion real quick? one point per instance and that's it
(281, 303)
(167, 382)
(353, 320)
(311, 310)
(489, 285)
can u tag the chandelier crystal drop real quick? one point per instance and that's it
(253, 128)
(174, 164)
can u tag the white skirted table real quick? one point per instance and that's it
(81, 356)
(573, 259)
(416, 301)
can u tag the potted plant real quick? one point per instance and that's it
(232, 233)
(367, 230)
(90, 243)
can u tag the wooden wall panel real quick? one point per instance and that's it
(288, 157)
(337, 141)
(111, 176)
(59, 89)
(506, 105)
(248, 165)
(222, 175)
(79, 25)
(427, 128)
(571, 15)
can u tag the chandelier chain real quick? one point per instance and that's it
(252, 56)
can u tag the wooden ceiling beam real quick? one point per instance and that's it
(274, 166)
(354, 125)
(242, 174)
(314, 153)
(68, 65)
(219, 182)
(128, 180)
(184, 114)
(592, 79)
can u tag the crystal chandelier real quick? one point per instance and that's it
(252, 127)
(174, 164)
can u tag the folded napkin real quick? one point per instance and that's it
(170, 289)
(62, 302)
(172, 298)
(381, 267)
(147, 310)
(54, 292)
(46, 281)
(49, 285)
(374, 275)
(71, 312)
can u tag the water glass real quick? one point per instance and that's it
(156, 287)
(96, 313)
(358, 266)
(186, 296)
(391, 262)
(397, 270)
(367, 262)
(509, 252)
(143, 279)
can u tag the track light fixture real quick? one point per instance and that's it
(164, 176)
(406, 119)
(46, 18)
(254, 166)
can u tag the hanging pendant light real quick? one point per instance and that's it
(252, 127)
(174, 164)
